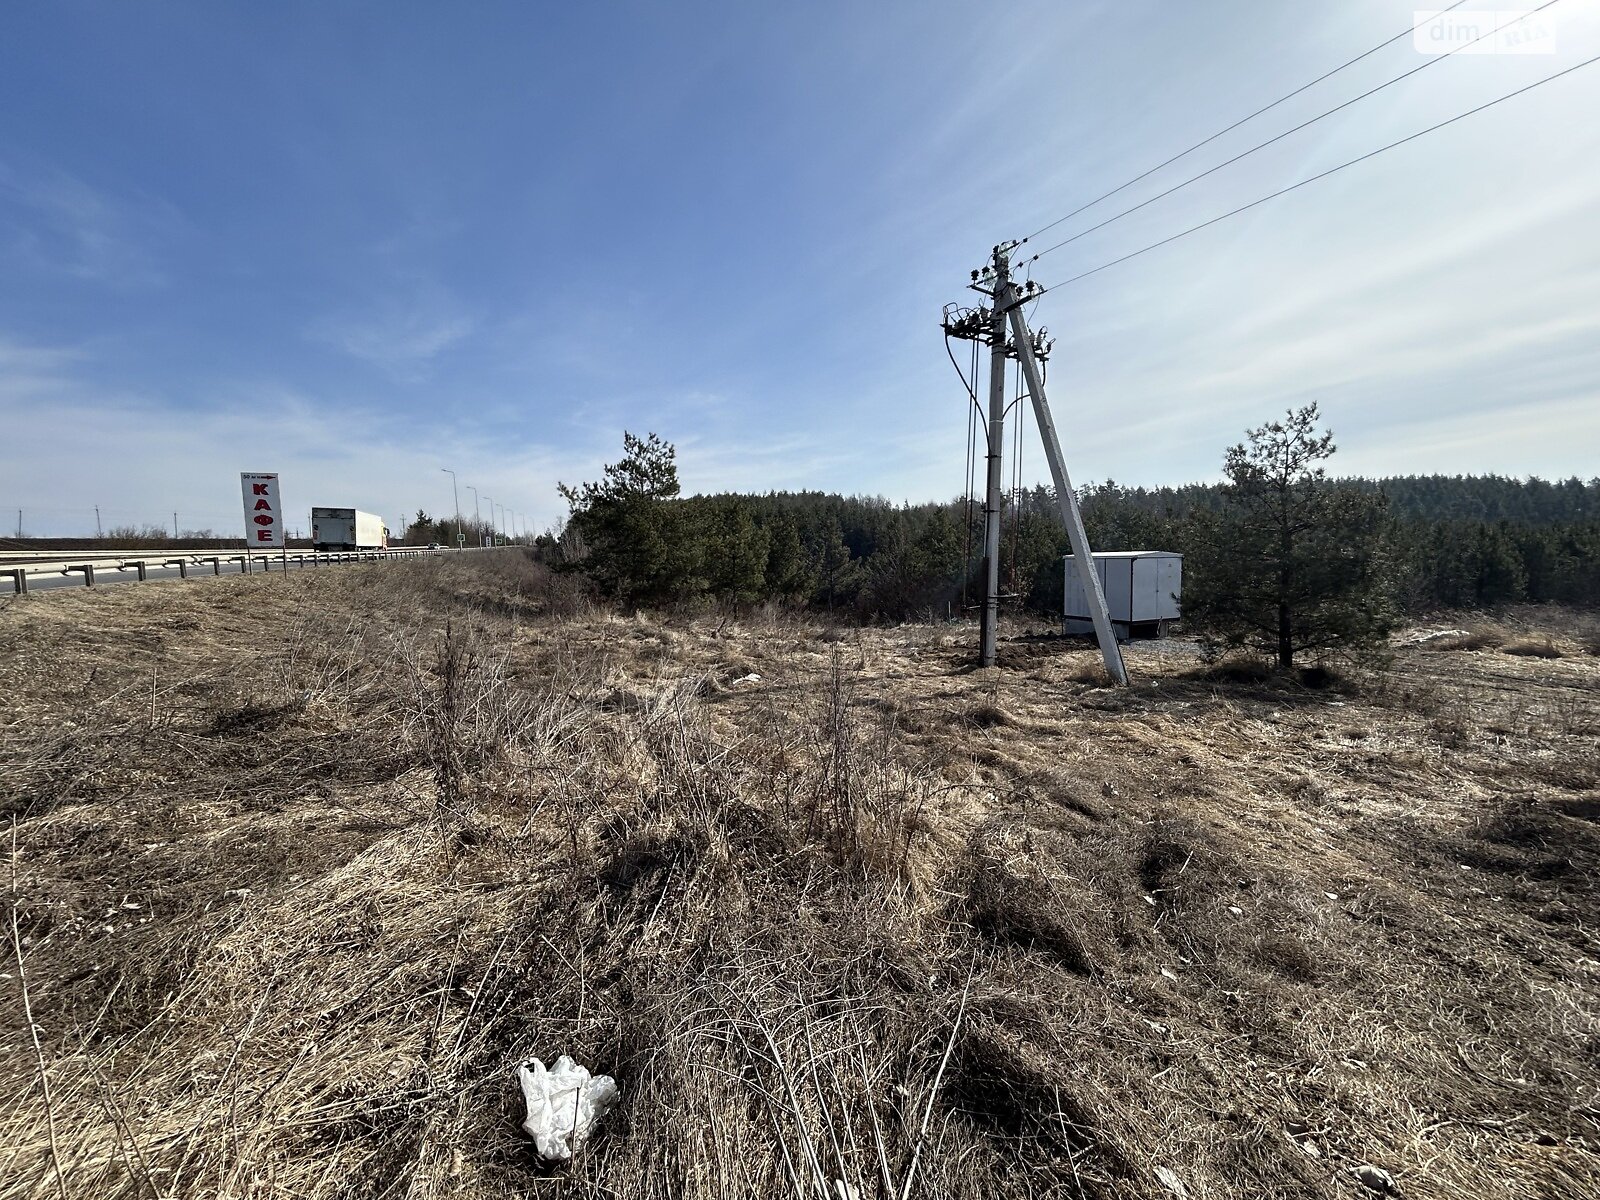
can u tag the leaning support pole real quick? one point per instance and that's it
(989, 623)
(1008, 301)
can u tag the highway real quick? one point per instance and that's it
(27, 571)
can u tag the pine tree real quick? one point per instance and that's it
(1292, 563)
(834, 565)
(735, 550)
(786, 575)
(641, 543)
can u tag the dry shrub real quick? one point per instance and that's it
(864, 801)
(513, 585)
(1406, 692)
(1011, 900)
(1521, 836)
(1529, 647)
(1477, 637)
(1320, 677)
(1091, 674)
(1013, 1086)
(988, 715)
(1576, 715)
(1235, 670)
(468, 711)
(1452, 730)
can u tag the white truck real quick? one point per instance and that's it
(347, 529)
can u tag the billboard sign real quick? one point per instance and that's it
(263, 513)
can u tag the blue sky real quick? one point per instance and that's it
(355, 243)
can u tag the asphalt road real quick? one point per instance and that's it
(107, 575)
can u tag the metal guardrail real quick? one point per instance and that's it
(89, 562)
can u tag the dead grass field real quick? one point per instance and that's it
(302, 868)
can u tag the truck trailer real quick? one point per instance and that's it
(347, 529)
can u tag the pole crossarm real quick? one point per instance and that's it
(977, 325)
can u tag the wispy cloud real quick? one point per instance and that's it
(24, 365)
(62, 225)
(710, 465)
(402, 334)
(142, 458)
(1512, 439)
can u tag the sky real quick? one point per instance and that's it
(361, 243)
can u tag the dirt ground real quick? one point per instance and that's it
(301, 869)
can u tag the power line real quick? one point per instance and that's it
(1278, 138)
(1236, 124)
(1331, 170)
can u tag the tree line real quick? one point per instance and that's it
(423, 529)
(1277, 529)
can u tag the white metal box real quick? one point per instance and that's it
(1143, 588)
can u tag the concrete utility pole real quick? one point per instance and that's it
(1010, 300)
(989, 623)
(990, 325)
(456, 492)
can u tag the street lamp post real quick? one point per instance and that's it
(490, 500)
(454, 491)
(477, 515)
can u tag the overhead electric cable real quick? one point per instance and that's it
(1588, 62)
(972, 394)
(974, 414)
(971, 391)
(1236, 124)
(1279, 137)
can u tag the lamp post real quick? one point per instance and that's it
(490, 499)
(477, 516)
(454, 491)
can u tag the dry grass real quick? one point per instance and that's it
(1528, 647)
(305, 867)
(1479, 637)
(1527, 632)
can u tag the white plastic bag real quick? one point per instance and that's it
(564, 1104)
